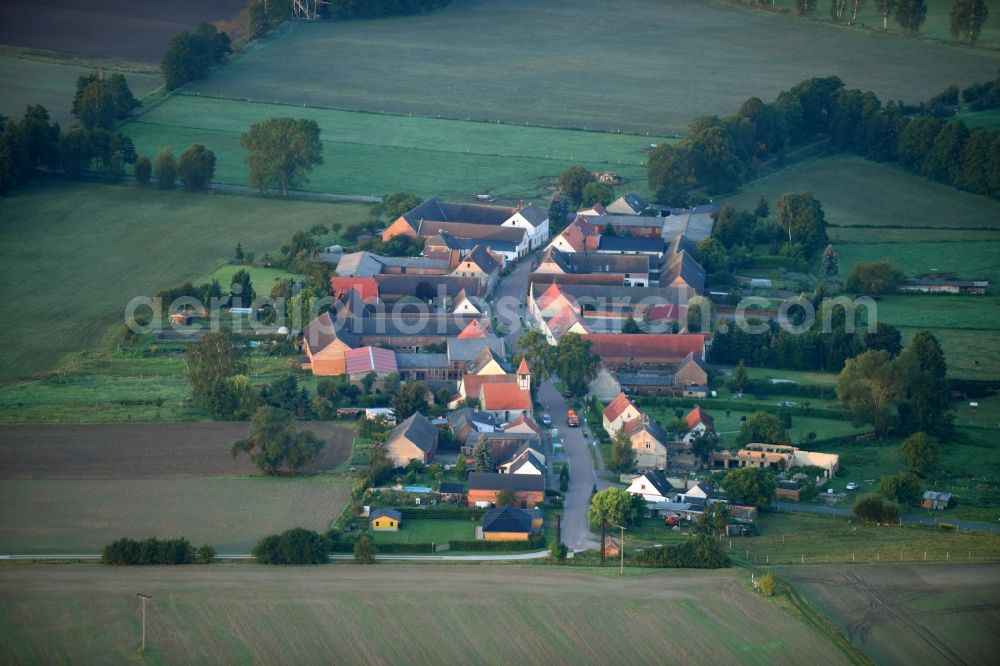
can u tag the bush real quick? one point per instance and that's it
(206, 554)
(295, 546)
(534, 542)
(767, 584)
(126, 551)
(872, 508)
(364, 550)
(702, 552)
(143, 169)
(946, 526)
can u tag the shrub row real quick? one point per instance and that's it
(534, 542)
(126, 551)
(804, 390)
(703, 552)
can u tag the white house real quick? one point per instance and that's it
(653, 486)
(702, 490)
(527, 461)
(697, 421)
(535, 222)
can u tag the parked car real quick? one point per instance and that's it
(546, 419)
(572, 420)
(672, 521)
(567, 394)
(852, 486)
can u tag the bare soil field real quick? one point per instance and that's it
(142, 451)
(113, 29)
(396, 614)
(917, 614)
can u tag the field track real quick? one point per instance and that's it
(397, 614)
(113, 29)
(930, 614)
(141, 451)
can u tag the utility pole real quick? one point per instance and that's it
(621, 551)
(604, 529)
(142, 602)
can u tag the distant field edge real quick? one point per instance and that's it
(59, 58)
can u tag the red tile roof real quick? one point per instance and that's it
(666, 312)
(699, 415)
(526, 420)
(646, 346)
(504, 396)
(473, 330)
(366, 288)
(616, 407)
(367, 359)
(474, 383)
(523, 368)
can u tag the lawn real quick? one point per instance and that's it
(397, 614)
(261, 278)
(937, 25)
(371, 153)
(429, 531)
(578, 63)
(25, 81)
(113, 243)
(82, 515)
(794, 538)
(990, 119)
(907, 614)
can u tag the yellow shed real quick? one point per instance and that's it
(386, 520)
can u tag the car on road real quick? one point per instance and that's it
(572, 420)
(546, 419)
(852, 486)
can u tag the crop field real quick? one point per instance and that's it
(577, 63)
(937, 25)
(25, 81)
(73, 255)
(82, 515)
(928, 614)
(274, 615)
(881, 212)
(110, 29)
(146, 451)
(371, 153)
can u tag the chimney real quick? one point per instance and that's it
(520, 204)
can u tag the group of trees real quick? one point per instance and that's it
(275, 444)
(873, 508)
(190, 55)
(582, 189)
(571, 360)
(195, 169)
(701, 552)
(873, 278)
(126, 551)
(966, 16)
(816, 348)
(907, 391)
(749, 485)
(295, 546)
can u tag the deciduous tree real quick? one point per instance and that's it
(616, 506)
(920, 451)
(573, 180)
(281, 151)
(967, 19)
(749, 485)
(165, 169)
(408, 400)
(762, 428)
(275, 444)
(101, 100)
(911, 14)
(622, 453)
(218, 355)
(903, 487)
(575, 363)
(197, 167)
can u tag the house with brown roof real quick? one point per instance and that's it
(579, 236)
(697, 421)
(645, 349)
(416, 438)
(359, 362)
(365, 287)
(505, 401)
(619, 411)
(484, 487)
(524, 424)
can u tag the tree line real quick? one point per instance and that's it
(722, 153)
(151, 551)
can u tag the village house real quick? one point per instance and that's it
(632, 269)
(695, 223)
(698, 492)
(506, 523)
(788, 489)
(619, 411)
(653, 486)
(628, 204)
(629, 224)
(528, 461)
(528, 489)
(649, 441)
(697, 422)
(525, 425)
(481, 264)
(385, 520)
(579, 236)
(365, 264)
(466, 423)
(416, 438)
(535, 221)
(452, 492)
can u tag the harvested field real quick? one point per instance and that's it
(112, 29)
(397, 614)
(83, 515)
(917, 614)
(141, 451)
(633, 65)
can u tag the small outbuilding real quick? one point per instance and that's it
(935, 501)
(386, 520)
(505, 523)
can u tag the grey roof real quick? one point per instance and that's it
(788, 485)
(628, 203)
(653, 428)
(636, 379)
(685, 267)
(601, 221)
(456, 417)
(467, 349)
(492, 481)
(936, 495)
(534, 214)
(418, 430)
(594, 262)
(441, 211)
(682, 242)
(358, 264)
(406, 285)
(420, 361)
(648, 295)
(658, 479)
(451, 488)
(631, 244)
(697, 226)
(442, 325)
(322, 331)
(483, 259)
(388, 513)
(451, 242)
(525, 457)
(413, 262)
(506, 519)
(927, 282)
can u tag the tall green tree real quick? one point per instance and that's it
(801, 216)
(197, 167)
(703, 445)
(911, 14)
(241, 289)
(597, 193)
(165, 169)
(829, 263)
(920, 451)
(40, 137)
(281, 151)
(393, 205)
(886, 8)
(871, 386)
(572, 181)
(275, 444)
(482, 456)
(102, 99)
(902, 487)
(622, 453)
(219, 355)
(967, 19)
(142, 170)
(190, 55)
(762, 428)
(616, 506)
(749, 485)
(575, 363)
(536, 350)
(930, 400)
(740, 379)
(559, 210)
(408, 400)
(670, 174)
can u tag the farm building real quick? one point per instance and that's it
(935, 501)
(976, 287)
(628, 204)
(416, 438)
(529, 489)
(505, 523)
(386, 520)
(789, 490)
(452, 492)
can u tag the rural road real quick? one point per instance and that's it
(909, 519)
